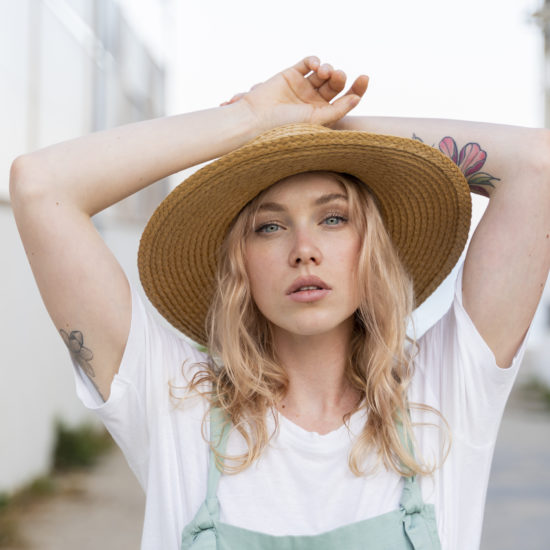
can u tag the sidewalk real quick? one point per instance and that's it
(517, 515)
(98, 509)
(104, 508)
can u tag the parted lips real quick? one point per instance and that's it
(423, 198)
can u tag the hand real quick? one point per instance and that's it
(304, 92)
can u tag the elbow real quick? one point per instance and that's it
(25, 181)
(19, 177)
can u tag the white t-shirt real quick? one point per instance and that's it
(302, 484)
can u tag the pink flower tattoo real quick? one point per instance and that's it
(470, 160)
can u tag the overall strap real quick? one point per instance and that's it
(219, 433)
(419, 520)
(411, 497)
(200, 533)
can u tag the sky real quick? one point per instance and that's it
(473, 60)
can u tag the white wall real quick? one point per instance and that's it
(36, 385)
(60, 77)
(35, 379)
(14, 86)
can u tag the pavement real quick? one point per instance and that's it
(104, 508)
(517, 514)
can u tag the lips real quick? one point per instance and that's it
(307, 283)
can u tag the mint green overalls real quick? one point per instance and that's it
(411, 527)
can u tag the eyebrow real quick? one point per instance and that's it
(323, 199)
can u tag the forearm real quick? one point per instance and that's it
(98, 170)
(488, 154)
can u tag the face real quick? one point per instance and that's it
(302, 256)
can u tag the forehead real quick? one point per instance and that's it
(307, 185)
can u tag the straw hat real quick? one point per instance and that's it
(423, 197)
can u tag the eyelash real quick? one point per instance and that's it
(330, 215)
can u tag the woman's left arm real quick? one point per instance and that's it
(508, 260)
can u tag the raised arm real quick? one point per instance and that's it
(509, 256)
(56, 190)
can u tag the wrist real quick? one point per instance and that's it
(246, 123)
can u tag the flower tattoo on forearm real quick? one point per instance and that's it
(470, 160)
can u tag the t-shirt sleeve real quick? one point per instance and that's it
(458, 375)
(156, 362)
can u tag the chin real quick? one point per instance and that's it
(316, 327)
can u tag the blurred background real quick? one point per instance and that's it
(70, 67)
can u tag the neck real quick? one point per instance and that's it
(319, 394)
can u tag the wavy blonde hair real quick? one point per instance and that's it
(246, 380)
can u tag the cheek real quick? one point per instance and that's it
(348, 254)
(260, 268)
(349, 261)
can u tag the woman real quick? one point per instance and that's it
(307, 316)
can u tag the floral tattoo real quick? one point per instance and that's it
(470, 160)
(81, 354)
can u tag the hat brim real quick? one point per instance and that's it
(423, 198)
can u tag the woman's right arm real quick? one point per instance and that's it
(56, 190)
(54, 193)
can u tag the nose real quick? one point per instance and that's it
(304, 251)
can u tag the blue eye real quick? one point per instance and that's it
(268, 228)
(334, 220)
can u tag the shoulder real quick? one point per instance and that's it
(158, 342)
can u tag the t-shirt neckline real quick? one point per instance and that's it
(333, 441)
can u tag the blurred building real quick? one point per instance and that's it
(68, 68)
(540, 345)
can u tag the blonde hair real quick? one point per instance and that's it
(246, 381)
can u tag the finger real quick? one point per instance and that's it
(321, 75)
(332, 87)
(359, 86)
(335, 111)
(325, 71)
(306, 65)
(315, 80)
